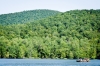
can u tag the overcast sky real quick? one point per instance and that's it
(11, 6)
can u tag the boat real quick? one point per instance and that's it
(83, 60)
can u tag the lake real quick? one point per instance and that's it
(46, 62)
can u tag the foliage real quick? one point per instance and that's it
(71, 34)
(25, 16)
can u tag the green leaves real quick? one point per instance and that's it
(25, 16)
(71, 34)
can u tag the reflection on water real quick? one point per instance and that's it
(46, 62)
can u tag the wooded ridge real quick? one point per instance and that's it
(52, 34)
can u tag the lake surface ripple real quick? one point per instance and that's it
(46, 62)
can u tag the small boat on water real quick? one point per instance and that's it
(83, 60)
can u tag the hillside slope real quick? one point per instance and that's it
(25, 16)
(71, 34)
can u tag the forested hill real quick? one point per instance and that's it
(26, 16)
(71, 34)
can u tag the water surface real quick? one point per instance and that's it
(46, 62)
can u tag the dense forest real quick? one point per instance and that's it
(71, 34)
(26, 16)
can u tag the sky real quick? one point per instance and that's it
(11, 6)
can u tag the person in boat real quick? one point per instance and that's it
(86, 60)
